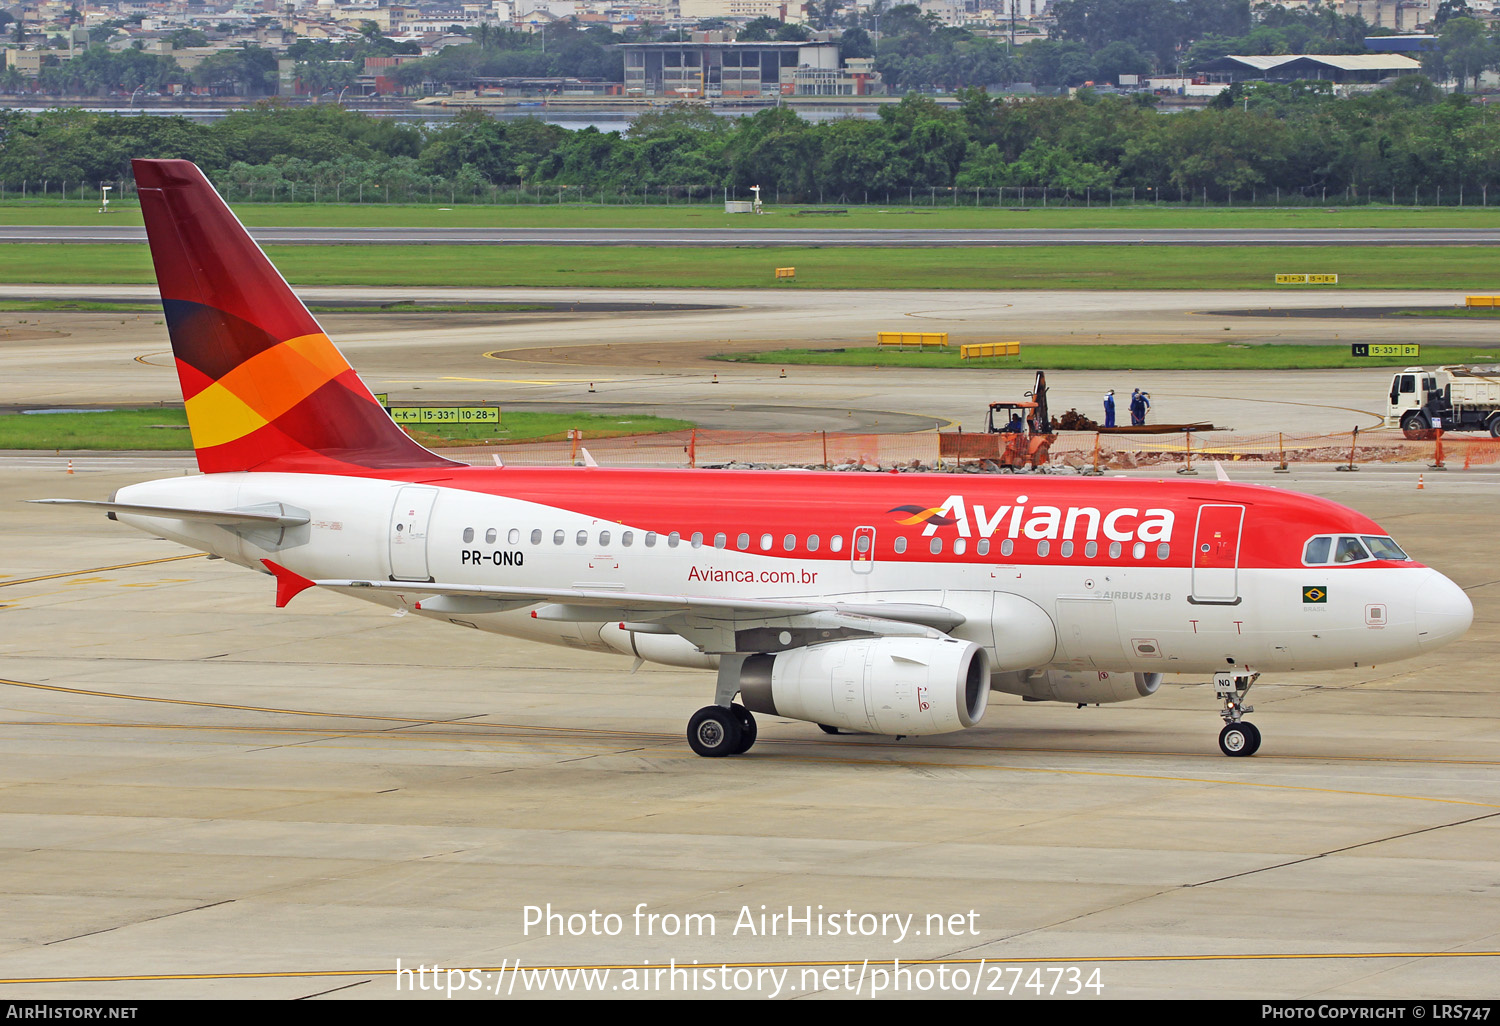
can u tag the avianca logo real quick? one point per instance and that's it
(1128, 523)
(920, 515)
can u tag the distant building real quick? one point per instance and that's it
(706, 67)
(1367, 68)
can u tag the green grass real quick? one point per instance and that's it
(1477, 313)
(1169, 356)
(165, 429)
(711, 215)
(1454, 269)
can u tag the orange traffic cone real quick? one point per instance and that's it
(1420, 485)
(70, 466)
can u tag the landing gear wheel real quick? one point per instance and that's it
(825, 728)
(1239, 739)
(715, 731)
(748, 730)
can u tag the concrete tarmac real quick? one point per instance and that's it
(204, 796)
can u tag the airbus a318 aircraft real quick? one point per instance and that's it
(880, 603)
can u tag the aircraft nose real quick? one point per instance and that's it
(1444, 612)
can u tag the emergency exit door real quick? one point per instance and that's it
(1216, 554)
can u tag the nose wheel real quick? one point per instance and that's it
(1238, 737)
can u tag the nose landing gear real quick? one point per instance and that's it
(1237, 737)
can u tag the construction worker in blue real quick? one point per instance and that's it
(1109, 408)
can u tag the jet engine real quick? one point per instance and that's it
(1090, 687)
(876, 685)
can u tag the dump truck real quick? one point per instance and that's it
(1450, 398)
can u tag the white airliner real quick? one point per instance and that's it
(881, 603)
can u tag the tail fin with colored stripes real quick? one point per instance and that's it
(264, 387)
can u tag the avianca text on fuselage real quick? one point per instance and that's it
(1045, 523)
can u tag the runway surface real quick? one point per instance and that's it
(459, 236)
(204, 796)
(658, 360)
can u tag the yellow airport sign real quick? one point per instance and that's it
(445, 414)
(1307, 279)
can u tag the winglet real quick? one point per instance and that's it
(288, 584)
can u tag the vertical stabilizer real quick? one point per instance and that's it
(264, 387)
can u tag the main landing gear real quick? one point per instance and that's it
(715, 731)
(1237, 737)
(725, 728)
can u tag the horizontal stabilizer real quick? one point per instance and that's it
(267, 514)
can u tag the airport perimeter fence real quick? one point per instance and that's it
(448, 192)
(1075, 450)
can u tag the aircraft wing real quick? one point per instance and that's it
(714, 624)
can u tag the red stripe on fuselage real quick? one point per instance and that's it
(1277, 523)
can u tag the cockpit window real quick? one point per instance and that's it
(1344, 549)
(1349, 550)
(1384, 548)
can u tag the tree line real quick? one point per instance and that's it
(1291, 140)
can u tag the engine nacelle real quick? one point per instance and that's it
(1089, 687)
(875, 685)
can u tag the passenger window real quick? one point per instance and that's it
(789, 543)
(720, 540)
(697, 540)
(742, 542)
(603, 538)
(1067, 549)
(959, 545)
(984, 546)
(650, 539)
(489, 536)
(1114, 550)
(626, 537)
(1163, 551)
(1316, 551)
(558, 536)
(1043, 547)
(583, 537)
(468, 535)
(862, 543)
(514, 538)
(536, 536)
(765, 543)
(900, 546)
(812, 543)
(673, 539)
(1090, 549)
(1007, 547)
(1138, 550)
(836, 543)
(935, 546)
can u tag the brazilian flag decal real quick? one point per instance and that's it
(1315, 594)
